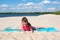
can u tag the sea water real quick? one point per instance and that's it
(49, 29)
(18, 14)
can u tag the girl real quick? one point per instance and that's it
(26, 26)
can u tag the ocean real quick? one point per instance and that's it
(18, 14)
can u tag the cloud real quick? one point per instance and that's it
(45, 2)
(13, 8)
(51, 8)
(30, 3)
(56, 2)
(29, 6)
(4, 9)
(48, 1)
(4, 6)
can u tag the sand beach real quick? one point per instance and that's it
(47, 20)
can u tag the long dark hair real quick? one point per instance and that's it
(24, 19)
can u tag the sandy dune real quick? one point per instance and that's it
(48, 20)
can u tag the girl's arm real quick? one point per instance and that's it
(23, 30)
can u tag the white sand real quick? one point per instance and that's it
(30, 36)
(48, 20)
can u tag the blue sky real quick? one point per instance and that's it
(29, 5)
